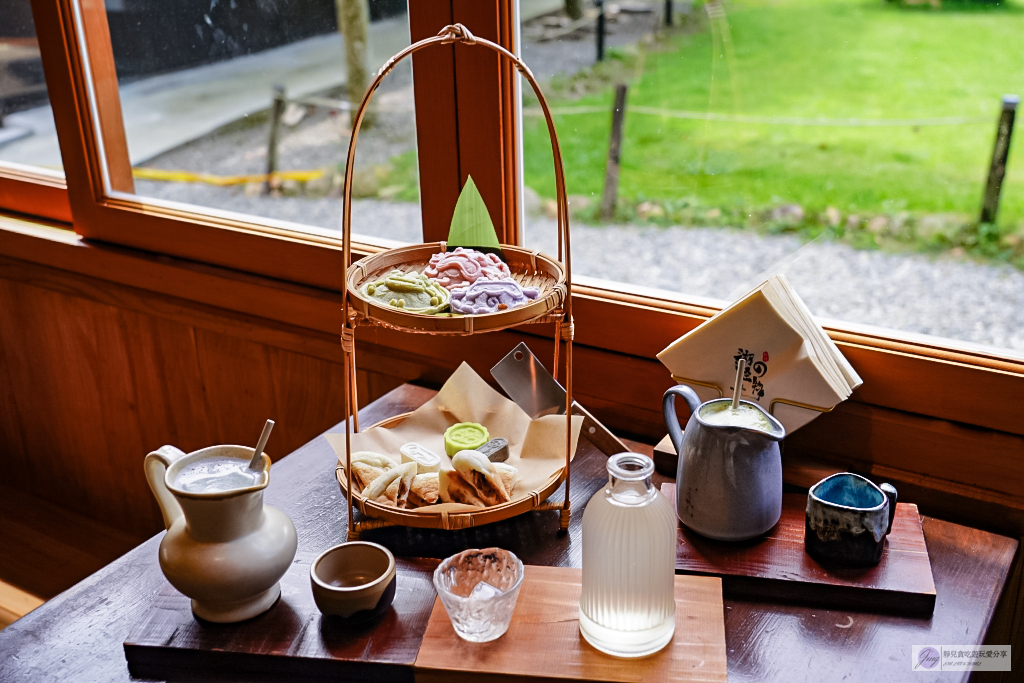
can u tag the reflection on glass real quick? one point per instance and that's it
(209, 86)
(845, 143)
(27, 133)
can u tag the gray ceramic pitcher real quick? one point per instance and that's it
(729, 479)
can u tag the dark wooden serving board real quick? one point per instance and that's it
(415, 640)
(291, 638)
(776, 566)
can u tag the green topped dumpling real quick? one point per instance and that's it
(413, 292)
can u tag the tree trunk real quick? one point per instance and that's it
(574, 8)
(353, 23)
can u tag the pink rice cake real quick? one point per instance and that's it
(491, 296)
(462, 267)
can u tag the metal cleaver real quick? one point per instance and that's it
(532, 388)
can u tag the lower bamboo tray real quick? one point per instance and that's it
(424, 519)
(414, 639)
(775, 566)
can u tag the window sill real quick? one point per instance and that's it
(911, 375)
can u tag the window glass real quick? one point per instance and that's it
(217, 93)
(845, 143)
(27, 133)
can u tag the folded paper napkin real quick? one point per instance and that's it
(789, 356)
(536, 447)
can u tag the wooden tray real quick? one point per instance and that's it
(424, 518)
(414, 640)
(777, 567)
(292, 639)
(543, 641)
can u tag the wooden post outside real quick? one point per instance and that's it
(997, 168)
(276, 112)
(353, 18)
(668, 12)
(611, 170)
(599, 33)
(574, 8)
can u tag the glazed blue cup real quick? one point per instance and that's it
(847, 520)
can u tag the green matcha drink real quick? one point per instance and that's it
(722, 414)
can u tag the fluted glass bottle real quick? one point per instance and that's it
(627, 605)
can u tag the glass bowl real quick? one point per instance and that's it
(478, 589)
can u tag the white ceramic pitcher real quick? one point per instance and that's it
(225, 549)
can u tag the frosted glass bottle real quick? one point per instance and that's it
(627, 605)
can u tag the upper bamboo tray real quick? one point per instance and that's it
(529, 269)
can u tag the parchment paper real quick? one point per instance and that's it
(536, 447)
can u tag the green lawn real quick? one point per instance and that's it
(809, 58)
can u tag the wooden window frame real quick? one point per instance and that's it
(34, 191)
(466, 120)
(75, 43)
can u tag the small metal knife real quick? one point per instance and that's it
(528, 383)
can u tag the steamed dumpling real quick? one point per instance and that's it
(481, 474)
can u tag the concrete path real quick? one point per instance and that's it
(168, 110)
(165, 111)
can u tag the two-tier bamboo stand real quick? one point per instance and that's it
(530, 268)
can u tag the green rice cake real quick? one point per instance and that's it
(412, 292)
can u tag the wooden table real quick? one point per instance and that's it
(78, 635)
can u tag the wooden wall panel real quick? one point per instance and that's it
(96, 374)
(166, 376)
(89, 388)
(13, 445)
(247, 383)
(72, 395)
(969, 456)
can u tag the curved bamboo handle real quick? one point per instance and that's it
(455, 33)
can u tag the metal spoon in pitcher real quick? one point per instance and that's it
(257, 456)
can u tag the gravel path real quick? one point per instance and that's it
(577, 51)
(389, 220)
(319, 140)
(910, 292)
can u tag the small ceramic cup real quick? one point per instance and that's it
(354, 580)
(848, 518)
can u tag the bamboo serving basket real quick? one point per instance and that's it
(385, 515)
(529, 268)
